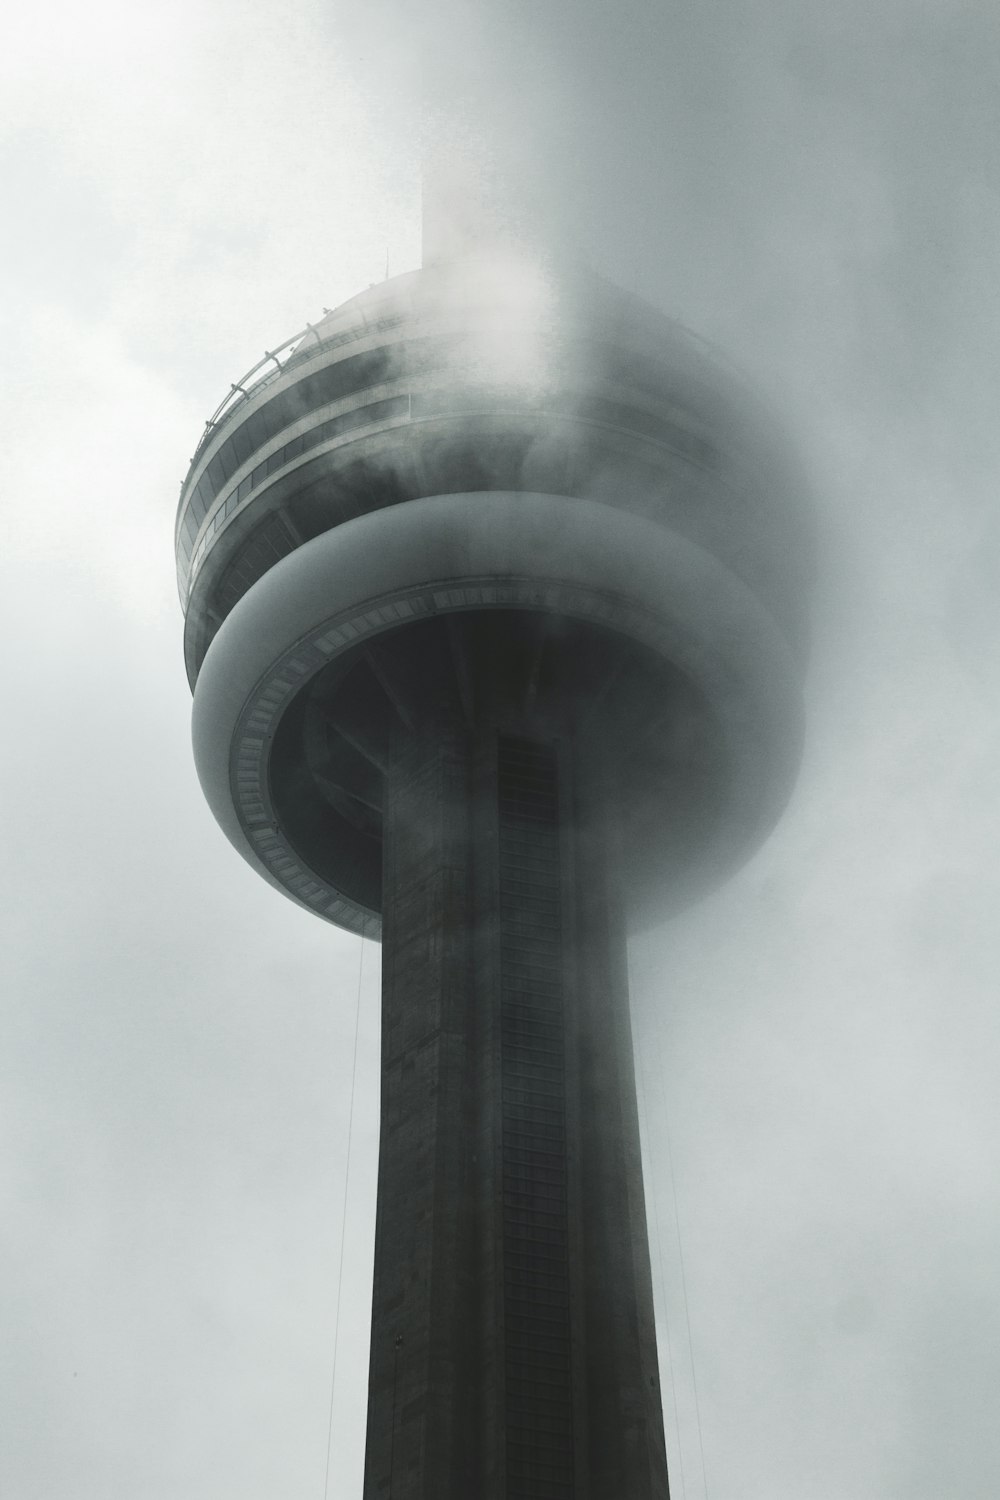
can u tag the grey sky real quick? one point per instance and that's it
(815, 188)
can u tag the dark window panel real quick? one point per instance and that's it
(257, 430)
(216, 475)
(242, 445)
(227, 459)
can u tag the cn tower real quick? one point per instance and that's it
(495, 586)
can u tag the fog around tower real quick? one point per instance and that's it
(813, 189)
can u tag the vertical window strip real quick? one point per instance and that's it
(539, 1397)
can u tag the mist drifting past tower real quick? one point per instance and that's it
(494, 591)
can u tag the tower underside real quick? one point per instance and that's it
(513, 1347)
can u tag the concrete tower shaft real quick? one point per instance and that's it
(513, 1348)
(495, 593)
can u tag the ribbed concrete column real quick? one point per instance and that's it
(422, 1419)
(513, 1349)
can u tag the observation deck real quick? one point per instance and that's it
(607, 518)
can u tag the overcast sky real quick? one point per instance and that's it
(814, 187)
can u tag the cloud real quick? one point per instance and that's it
(816, 190)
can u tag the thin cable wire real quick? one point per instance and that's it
(663, 1277)
(395, 1389)
(680, 1257)
(343, 1219)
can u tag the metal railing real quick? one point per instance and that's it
(267, 369)
(253, 381)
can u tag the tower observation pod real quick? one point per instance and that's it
(495, 584)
